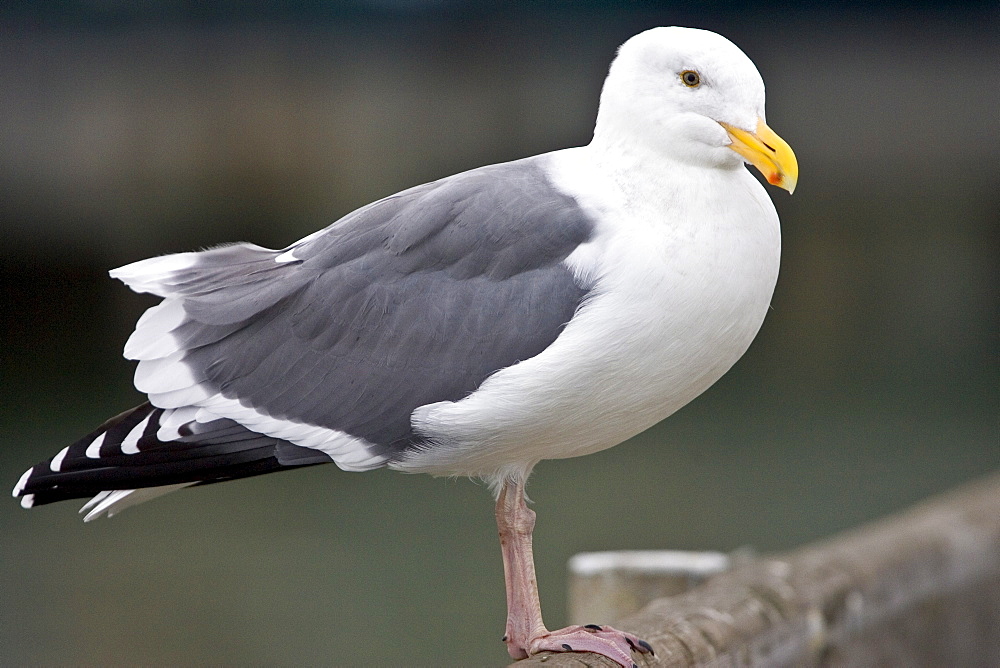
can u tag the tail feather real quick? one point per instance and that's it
(113, 502)
(144, 453)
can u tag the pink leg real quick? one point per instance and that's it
(526, 634)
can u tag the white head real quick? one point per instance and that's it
(693, 96)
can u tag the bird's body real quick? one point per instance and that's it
(541, 309)
(665, 316)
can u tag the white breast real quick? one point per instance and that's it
(683, 266)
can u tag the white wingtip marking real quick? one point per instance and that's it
(171, 421)
(57, 461)
(94, 449)
(287, 256)
(27, 501)
(130, 446)
(21, 482)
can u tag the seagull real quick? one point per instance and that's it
(544, 308)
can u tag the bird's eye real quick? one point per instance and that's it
(690, 78)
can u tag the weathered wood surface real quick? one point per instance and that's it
(612, 585)
(921, 588)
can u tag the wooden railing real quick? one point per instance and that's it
(921, 588)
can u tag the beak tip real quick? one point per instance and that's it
(766, 151)
(782, 181)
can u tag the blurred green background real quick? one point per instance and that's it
(135, 129)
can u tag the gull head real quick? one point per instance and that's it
(692, 96)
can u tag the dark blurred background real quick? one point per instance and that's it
(130, 129)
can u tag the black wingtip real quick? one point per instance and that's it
(100, 461)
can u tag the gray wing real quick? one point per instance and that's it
(412, 300)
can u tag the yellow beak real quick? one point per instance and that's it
(767, 152)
